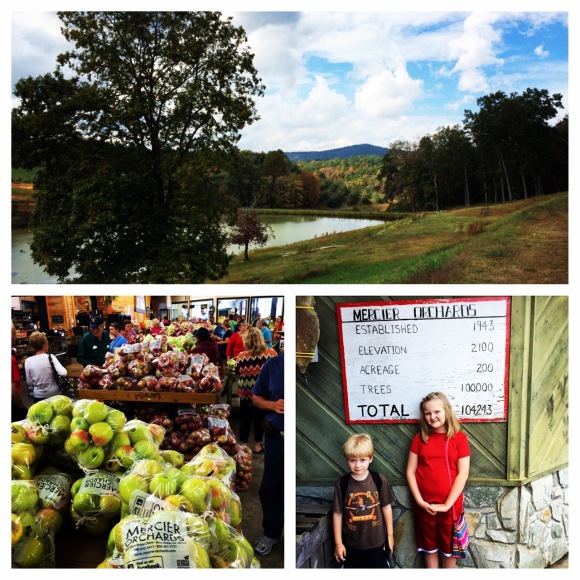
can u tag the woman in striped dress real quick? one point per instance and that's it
(248, 365)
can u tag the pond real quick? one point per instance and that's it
(287, 229)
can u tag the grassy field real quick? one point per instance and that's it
(523, 242)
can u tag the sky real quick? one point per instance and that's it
(343, 78)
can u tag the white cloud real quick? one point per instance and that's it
(474, 49)
(407, 72)
(388, 94)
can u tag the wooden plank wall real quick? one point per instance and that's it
(321, 429)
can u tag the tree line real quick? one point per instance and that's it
(506, 150)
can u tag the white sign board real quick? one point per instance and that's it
(395, 353)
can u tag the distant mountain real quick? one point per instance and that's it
(340, 153)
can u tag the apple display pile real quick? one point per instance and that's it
(153, 366)
(81, 463)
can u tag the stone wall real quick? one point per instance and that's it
(510, 527)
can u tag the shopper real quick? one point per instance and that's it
(206, 344)
(362, 519)
(155, 326)
(94, 345)
(268, 395)
(117, 338)
(437, 469)
(18, 406)
(38, 370)
(129, 332)
(248, 366)
(265, 330)
(236, 343)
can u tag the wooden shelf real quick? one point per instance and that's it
(148, 396)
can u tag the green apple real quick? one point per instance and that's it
(172, 457)
(48, 521)
(18, 433)
(92, 457)
(116, 419)
(40, 412)
(61, 405)
(79, 440)
(178, 502)
(69, 448)
(79, 407)
(79, 423)
(111, 541)
(95, 411)
(124, 455)
(221, 530)
(198, 529)
(24, 497)
(137, 431)
(235, 512)
(101, 433)
(98, 526)
(234, 553)
(179, 476)
(198, 554)
(74, 489)
(27, 521)
(145, 449)
(131, 483)
(120, 439)
(197, 492)
(109, 505)
(59, 427)
(161, 486)
(21, 472)
(23, 454)
(86, 503)
(32, 554)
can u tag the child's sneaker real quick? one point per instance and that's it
(264, 545)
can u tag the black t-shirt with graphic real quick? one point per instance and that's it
(363, 527)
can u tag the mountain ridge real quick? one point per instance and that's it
(340, 153)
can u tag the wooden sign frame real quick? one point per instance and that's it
(392, 354)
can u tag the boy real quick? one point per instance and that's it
(362, 517)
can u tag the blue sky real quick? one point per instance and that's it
(376, 76)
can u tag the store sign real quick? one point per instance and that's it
(395, 353)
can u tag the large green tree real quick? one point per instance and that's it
(132, 142)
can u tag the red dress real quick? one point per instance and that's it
(432, 476)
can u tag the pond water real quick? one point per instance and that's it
(287, 229)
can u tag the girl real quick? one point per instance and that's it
(437, 469)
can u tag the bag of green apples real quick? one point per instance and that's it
(212, 461)
(47, 422)
(32, 535)
(24, 454)
(229, 549)
(136, 440)
(225, 503)
(54, 496)
(96, 502)
(92, 429)
(150, 485)
(165, 539)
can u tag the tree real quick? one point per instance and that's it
(132, 144)
(248, 229)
